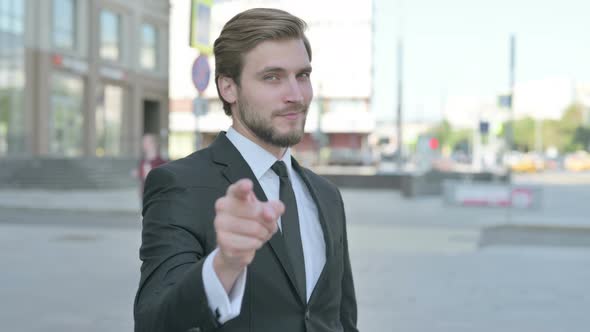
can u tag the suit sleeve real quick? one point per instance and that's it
(171, 296)
(348, 308)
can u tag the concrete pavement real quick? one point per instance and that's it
(119, 200)
(563, 205)
(71, 263)
(76, 276)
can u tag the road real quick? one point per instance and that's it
(417, 267)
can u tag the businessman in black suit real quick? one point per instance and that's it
(239, 236)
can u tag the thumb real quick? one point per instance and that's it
(277, 206)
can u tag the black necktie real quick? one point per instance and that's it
(290, 224)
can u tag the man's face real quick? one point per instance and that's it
(274, 92)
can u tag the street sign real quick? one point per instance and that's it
(200, 106)
(484, 127)
(201, 73)
(505, 101)
(200, 26)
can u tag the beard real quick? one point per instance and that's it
(263, 128)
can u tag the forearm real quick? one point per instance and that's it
(171, 295)
(226, 305)
(173, 299)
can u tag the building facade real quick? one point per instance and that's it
(82, 79)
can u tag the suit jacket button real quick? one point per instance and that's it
(307, 315)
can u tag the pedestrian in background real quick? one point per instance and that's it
(150, 159)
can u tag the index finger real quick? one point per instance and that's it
(241, 189)
(270, 213)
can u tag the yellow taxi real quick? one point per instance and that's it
(526, 163)
(577, 162)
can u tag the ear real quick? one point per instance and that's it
(227, 89)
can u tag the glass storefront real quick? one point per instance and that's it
(109, 114)
(12, 77)
(66, 115)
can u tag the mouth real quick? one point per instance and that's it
(291, 115)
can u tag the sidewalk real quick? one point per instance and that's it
(120, 200)
(384, 207)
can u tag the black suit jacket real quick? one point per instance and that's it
(178, 234)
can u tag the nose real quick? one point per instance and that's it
(294, 93)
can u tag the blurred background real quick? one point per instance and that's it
(458, 132)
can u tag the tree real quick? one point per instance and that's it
(581, 139)
(570, 123)
(566, 134)
(524, 134)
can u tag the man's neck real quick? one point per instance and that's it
(276, 151)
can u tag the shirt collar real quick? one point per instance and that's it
(259, 160)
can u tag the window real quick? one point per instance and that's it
(149, 46)
(110, 35)
(64, 23)
(11, 120)
(109, 113)
(12, 16)
(12, 77)
(66, 118)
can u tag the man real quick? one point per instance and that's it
(150, 158)
(238, 236)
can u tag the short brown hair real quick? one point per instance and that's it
(244, 32)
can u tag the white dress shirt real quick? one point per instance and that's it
(312, 237)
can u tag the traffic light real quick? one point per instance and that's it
(433, 143)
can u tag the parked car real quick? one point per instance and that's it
(524, 162)
(577, 162)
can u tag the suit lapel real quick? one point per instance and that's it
(235, 168)
(323, 222)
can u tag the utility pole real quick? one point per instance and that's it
(399, 118)
(400, 145)
(319, 135)
(510, 127)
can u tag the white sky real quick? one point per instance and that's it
(452, 48)
(461, 48)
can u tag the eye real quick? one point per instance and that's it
(271, 77)
(304, 75)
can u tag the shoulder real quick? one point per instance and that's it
(326, 187)
(192, 170)
(159, 161)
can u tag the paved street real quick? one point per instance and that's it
(417, 265)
